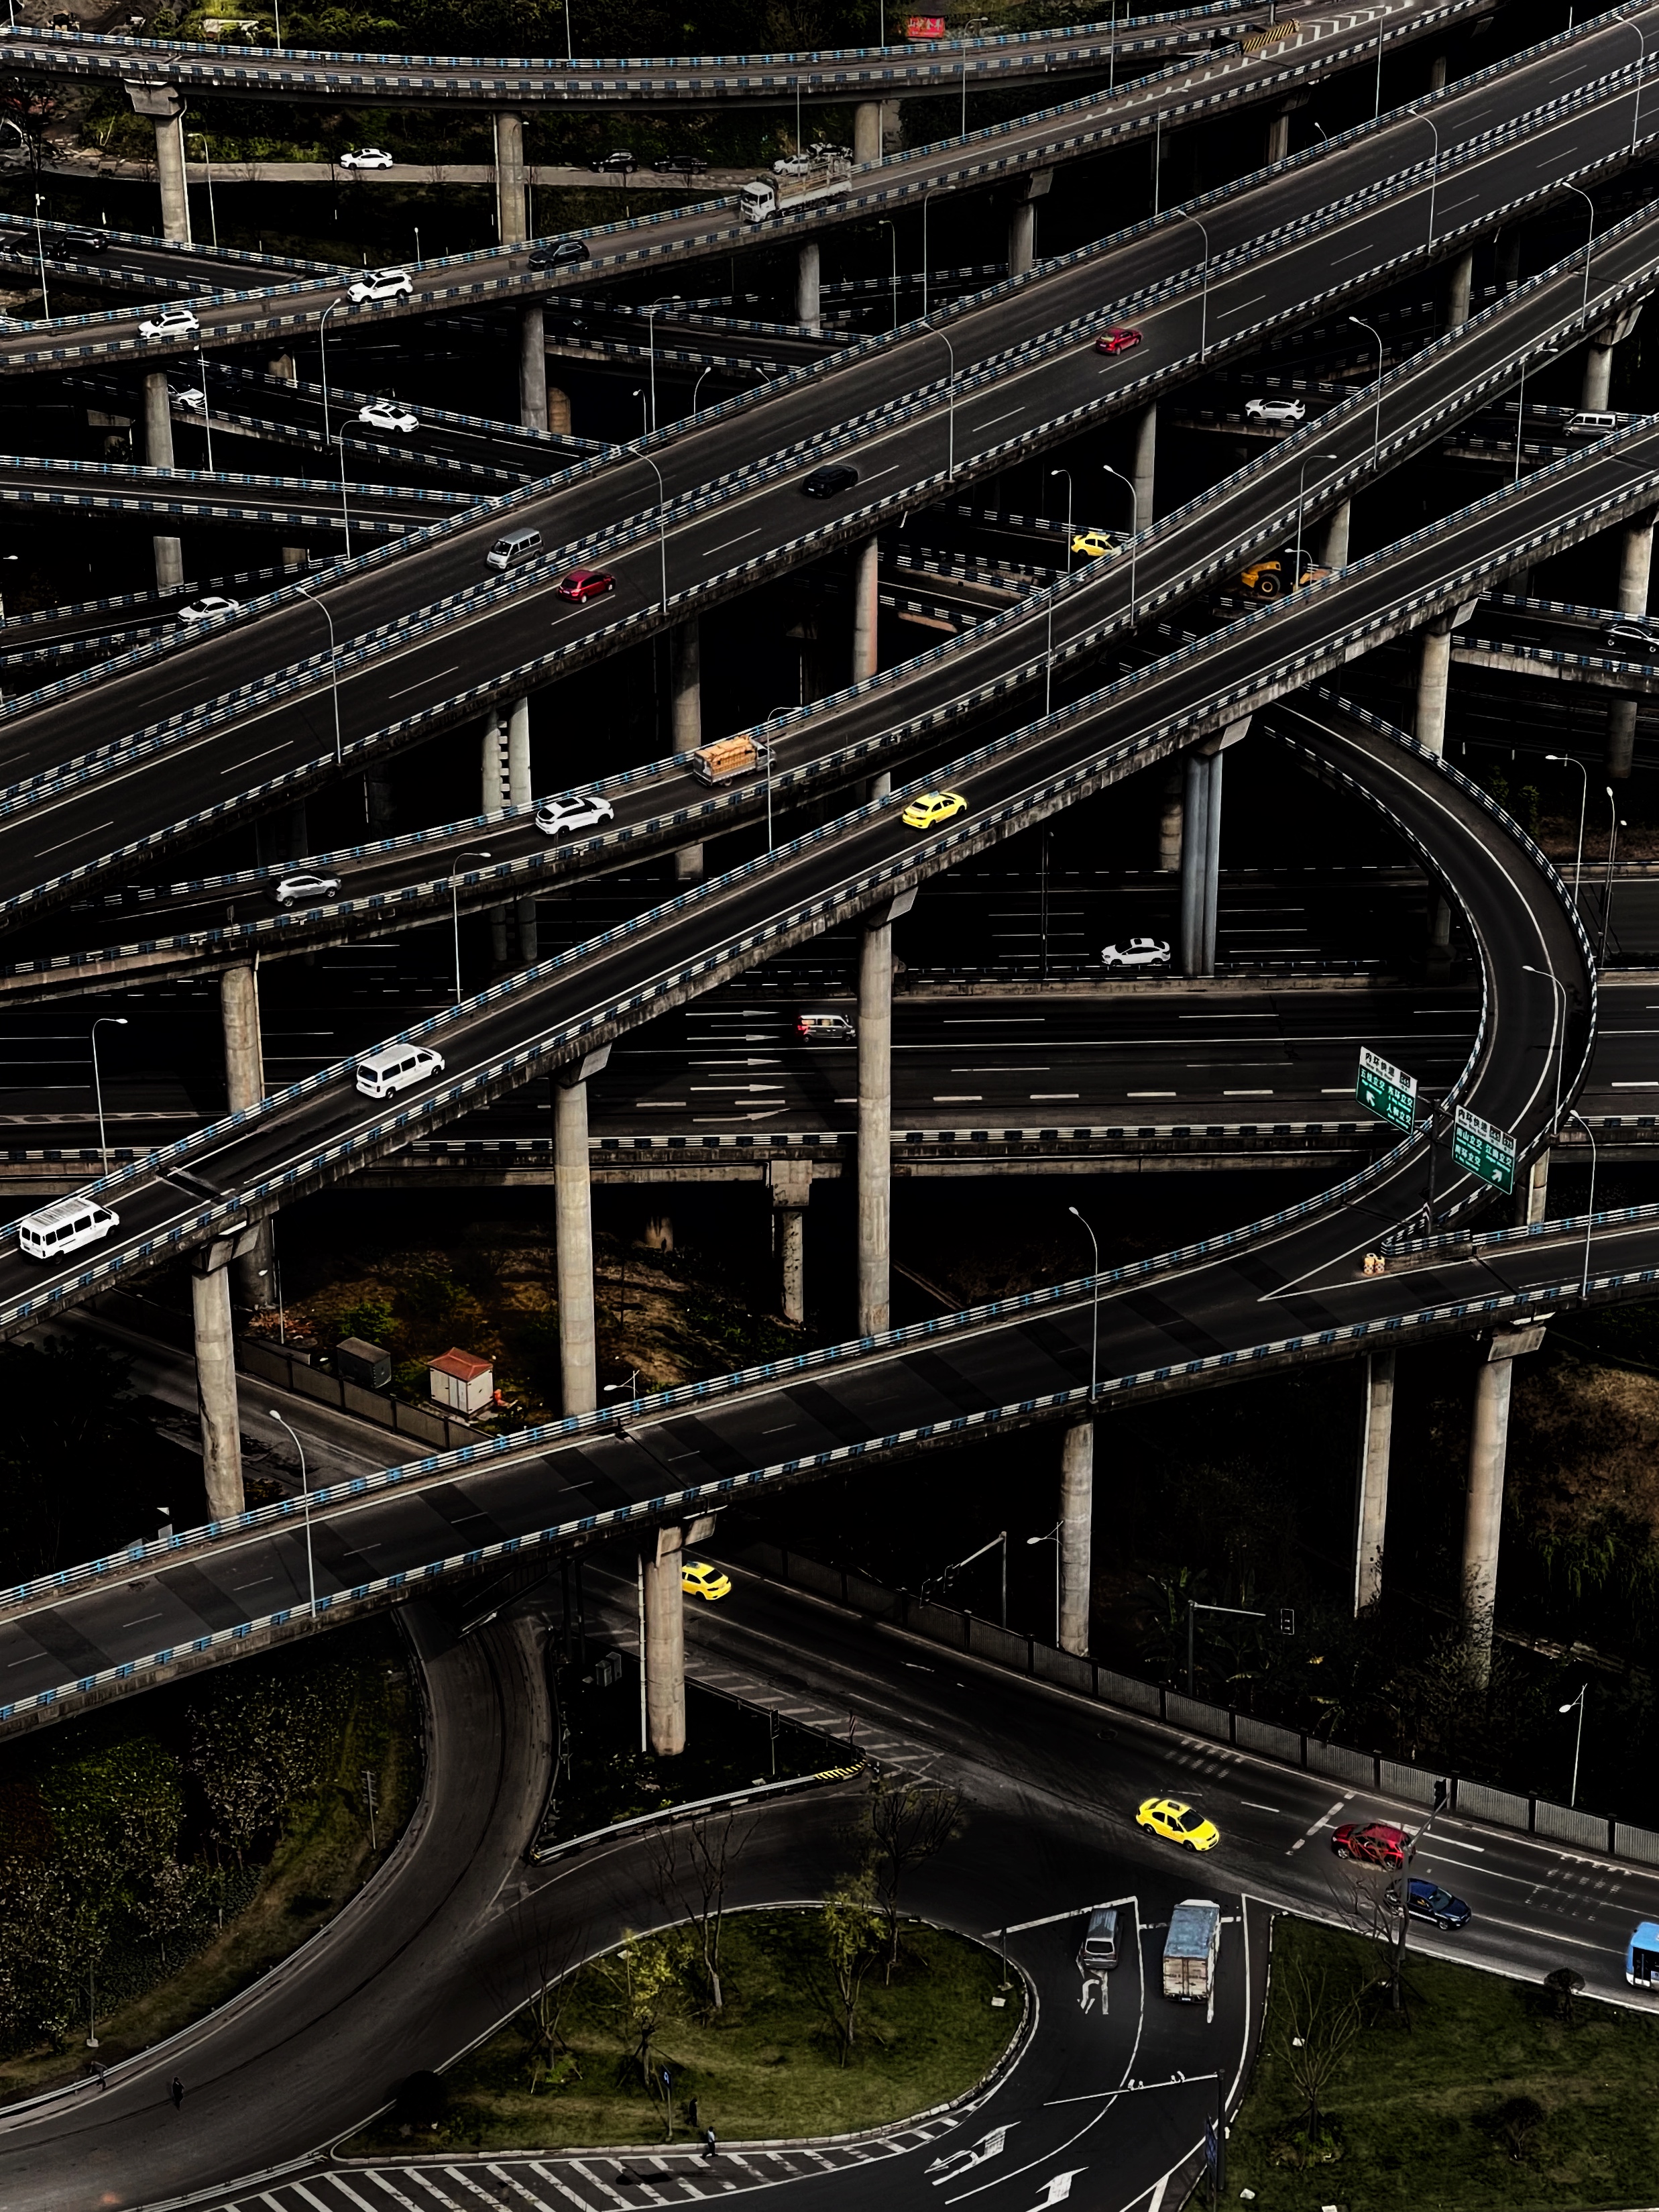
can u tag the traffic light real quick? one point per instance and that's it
(1286, 1621)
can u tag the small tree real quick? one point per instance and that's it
(907, 1823)
(1514, 2123)
(1564, 1985)
(855, 1937)
(693, 1864)
(1322, 2018)
(644, 1975)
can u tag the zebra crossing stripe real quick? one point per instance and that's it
(511, 2181)
(416, 2173)
(563, 2186)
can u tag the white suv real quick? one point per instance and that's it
(175, 321)
(1135, 953)
(380, 284)
(388, 415)
(1284, 414)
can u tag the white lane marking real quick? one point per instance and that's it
(741, 540)
(1256, 1807)
(43, 850)
(436, 679)
(236, 767)
(1323, 1821)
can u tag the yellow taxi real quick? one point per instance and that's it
(1096, 544)
(1178, 1822)
(699, 1578)
(934, 807)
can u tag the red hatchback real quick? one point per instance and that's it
(1374, 1840)
(585, 584)
(1117, 341)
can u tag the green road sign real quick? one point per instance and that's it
(1484, 1150)
(1386, 1089)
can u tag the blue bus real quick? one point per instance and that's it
(1642, 1959)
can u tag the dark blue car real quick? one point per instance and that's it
(1426, 1900)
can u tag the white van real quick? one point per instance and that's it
(515, 546)
(63, 1226)
(1590, 422)
(395, 1067)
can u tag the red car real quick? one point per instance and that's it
(1117, 341)
(585, 584)
(1374, 1840)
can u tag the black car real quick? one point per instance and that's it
(681, 165)
(621, 161)
(1426, 1900)
(825, 482)
(84, 241)
(560, 254)
(1631, 641)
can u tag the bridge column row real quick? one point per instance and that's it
(158, 454)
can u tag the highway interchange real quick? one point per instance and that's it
(126, 761)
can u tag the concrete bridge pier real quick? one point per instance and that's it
(685, 691)
(1636, 565)
(533, 368)
(579, 1373)
(875, 1137)
(1022, 220)
(791, 1185)
(158, 454)
(1598, 360)
(164, 105)
(1168, 823)
(512, 180)
(1200, 849)
(1621, 737)
(664, 1653)
(866, 636)
(215, 1377)
(1433, 684)
(281, 836)
(867, 131)
(1483, 1512)
(1143, 468)
(1532, 1195)
(809, 266)
(284, 366)
(1460, 286)
(1371, 1501)
(245, 1086)
(1333, 547)
(1077, 1515)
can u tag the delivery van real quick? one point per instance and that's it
(395, 1067)
(64, 1226)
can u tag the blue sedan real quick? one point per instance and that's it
(1426, 1900)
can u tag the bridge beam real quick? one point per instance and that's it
(664, 1653)
(791, 1185)
(245, 1086)
(158, 454)
(1371, 1503)
(1077, 1515)
(512, 182)
(685, 691)
(572, 1205)
(1483, 1513)
(875, 1138)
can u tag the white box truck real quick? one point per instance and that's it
(1190, 1951)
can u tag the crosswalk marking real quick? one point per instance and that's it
(563, 2186)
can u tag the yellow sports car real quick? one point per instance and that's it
(1096, 545)
(934, 807)
(1178, 1823)
(698, 1578)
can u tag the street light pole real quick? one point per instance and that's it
(1301, 504)
(321, 606)
(1094, 1332)
(322, 343)
(1204, 302)
(1376, 418)
(1573, 1114)
(1578, 1732)
(115, 1021)
(1614, 828)
(305, 1487)
(1521, 408)
(1589, 245)
(662, 523)
(1557, 1035)
(478, 854)
(1434, 173)
(1052, 1537)
(1135, 529)
(1567, 760)
(950, 407)
(1641, 70)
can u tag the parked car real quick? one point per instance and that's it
(1377, 1842)
(366, 157)
(618, 162)
(1118, 341)
(681, 165)
(824, 482)
(1426, 1900)
(1283, 414)
(583, 583)
(306, 885)
(1178, 1822)
(175, 321)
(388, 415)
(699, 1578)
(380, 284)
(583, 810)
(1096, 545)
(1135, 953)
(213, 606)
(932, 808)
(559, 255)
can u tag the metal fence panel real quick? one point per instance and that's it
(1193, 1713)
(1265, 1736)
(311, 1382)
(870, 1597)
(1638, 1843)
(430, 1428)
(1125, 1690)
(1562, 1824)
(999, 1645)
(1346, 1766)
(1411, 1783)
(1063, 1668)
(1501, 1806)
(942, 1624)
(810, 1574)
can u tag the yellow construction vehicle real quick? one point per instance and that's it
(1269, 579)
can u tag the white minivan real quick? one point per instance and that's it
(395, 1067)
(63, 1226)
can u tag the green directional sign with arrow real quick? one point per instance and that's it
(1386, 1089)
(1484, 1150)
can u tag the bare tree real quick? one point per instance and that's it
(693, 1863)
(1322, 2017)
(906, 1822)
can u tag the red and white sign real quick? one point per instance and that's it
(924, 27)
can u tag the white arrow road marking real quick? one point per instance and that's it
(1058, 2189)
(958, 2161)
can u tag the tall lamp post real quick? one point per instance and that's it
(662, 525)
(1052, 1537)
(1134, 528)
(1301, 504)
(1567, 760)
(1559, 1035)
(1614, 826)
(1376, 418)
(305, 1486)
(1434, 173)
(1573, 1114)
(1544, 352)
(321, 606)
(1094, 1331)
(116, 1021)
(322, 346)
(1590, 243)
(1641, 70)
(478, 852)
(1204, 301)
(951, 410)
(1578, 1732)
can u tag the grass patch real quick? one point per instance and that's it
(769, 2063)
(1486, 2097)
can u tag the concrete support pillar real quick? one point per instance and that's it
(808, 267)
(377, 801)
(495, 792)
(1334, 548)
(1598, 376)
(1193, 847)
(1279, 136)
(533, 368)
(1433, 684)
(521, 795)
(790, 1183)
(1077, 1517)
(685, 693)
(282, 836)
(558, 408)
(866, 608)
(1143, 469)
(892, 125)
(170, 176)
(512, 197)
(579, 1374)
(875, 1141)
(867, 131)
(1507, 258)
(215, 1384)
(158, 454)
(1621, 737)
(1436, 72)
(1168, 823)
(283, 365)
(664, 1645)
(1022, 221)
(1460, 285)
(1532, 1196)
(1483, 1512)
(245, 1086)
(1636, 565)
(1371, 1507)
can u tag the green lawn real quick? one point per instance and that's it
(1487, 2099)
(767, 2064)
